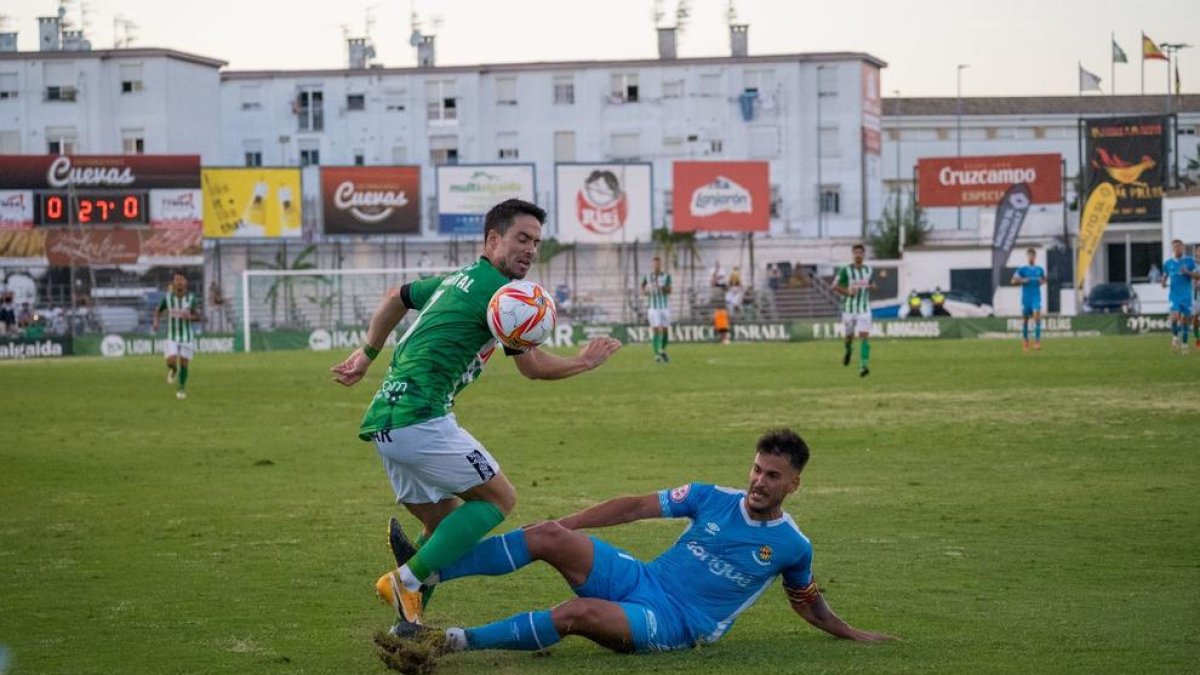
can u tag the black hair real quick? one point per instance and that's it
(784, 443)
(609, 178)
(502, 215)
(1031, 250)
(178, 273)
(858, 247)
(1177, 241)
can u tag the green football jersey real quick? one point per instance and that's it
(857, 280)
(659, 285)
(444, 349)
(179, 311)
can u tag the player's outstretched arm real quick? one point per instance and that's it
(383, 322)
(810, 604)
(536, 364)
(614, 512)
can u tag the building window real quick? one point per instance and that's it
(624, 87)
(830, 147)
(673, 89)
(827, 81)
(716, 146)
(309, 107)
(625, 145)
(310, 153)
(506, 146)
(506, 91)
(831, 199)
(57, 93)
(761, 81)
(443, 149)
(564, 146)
(62, 145)
(399, 154)
(710, 84)
(253, 157)
(564, 90)
(131, 78)
(251, 96)
(356, 102)
(360, 158)
(133, 141)
(441, 104)
(393, 100)
(8, 85)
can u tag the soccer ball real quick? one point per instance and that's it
(521, 315)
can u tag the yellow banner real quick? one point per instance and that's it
(1096, 212)
(251, 203)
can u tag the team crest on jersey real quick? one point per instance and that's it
(712, 528)
(680, 493)
(763, 555)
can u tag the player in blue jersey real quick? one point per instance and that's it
(1031, 278)
(737, 543)
(1179, 275)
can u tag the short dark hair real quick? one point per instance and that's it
(178, 273)
(502, 215)
(1177, 241)
(1031, 250)
(858, 247)
(784, 443)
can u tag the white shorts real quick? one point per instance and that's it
(433, 460)
(659, 318)
(184, 350)
(857, 323)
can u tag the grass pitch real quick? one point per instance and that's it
(1001, 512)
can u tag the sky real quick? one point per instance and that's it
(1013, 48)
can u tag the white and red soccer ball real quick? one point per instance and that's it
(521, 315)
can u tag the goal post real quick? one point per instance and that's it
(317, 305)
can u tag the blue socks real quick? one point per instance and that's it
(491, 557)
(1025, 330)
(1037, 331)
(527, 632)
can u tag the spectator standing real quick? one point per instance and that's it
(8, 313)
(25, 316)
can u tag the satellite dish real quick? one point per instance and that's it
(415, 40)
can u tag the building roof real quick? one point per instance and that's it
(1040, 105)
(131, 53)
(816, 57)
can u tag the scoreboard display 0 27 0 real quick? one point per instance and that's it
(101, 207)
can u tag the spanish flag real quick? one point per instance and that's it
(1151, 50)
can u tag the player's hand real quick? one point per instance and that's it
(350, 371)
(598, 350)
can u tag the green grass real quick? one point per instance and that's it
(1001, 512)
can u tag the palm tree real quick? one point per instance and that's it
(284, 284)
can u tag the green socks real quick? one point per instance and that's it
(864, 352)
(182, 376)
(426, 591)
(662, 340)
(458, 533)
(656, 342)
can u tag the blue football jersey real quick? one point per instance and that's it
(724, 560)
(1178, 272)
(1031, 287)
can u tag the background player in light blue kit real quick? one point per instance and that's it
(738, 542)
(1031, 278)
(1179, 273)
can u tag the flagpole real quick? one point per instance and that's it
(1112, 64)
(1143, 50)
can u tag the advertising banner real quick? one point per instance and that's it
(251, 203)
(465, 193)
(28, 244)
(603, 203)
(65, 247)
(176, 209)
(982, 181)
(116, 345)
(12, 349)
(16, 210)
(1129, 153)
(872, 107)
(722, 196)
(1092, 223)
(371, 200)
(1010, 215)
(171, 247)
(59, 172)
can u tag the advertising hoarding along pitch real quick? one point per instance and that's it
(603, 203)
(371, 200)
(251, 203)
(982, 181)
(722, 196)
(466, 192)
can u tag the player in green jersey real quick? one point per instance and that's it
(854, 284)
(657, 287)
(182, 310)
(439, 472)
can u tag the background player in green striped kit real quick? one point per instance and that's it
(182, 310)
(855, 285)
(438, 471)
(657, 287)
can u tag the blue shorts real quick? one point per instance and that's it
(1028, 308)
(657, 624)
(1183, 307)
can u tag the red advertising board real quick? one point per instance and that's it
(982, 181)
(371, 200)
(91, 172)
(722, 197)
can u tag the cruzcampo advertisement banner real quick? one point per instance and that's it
(251, 203)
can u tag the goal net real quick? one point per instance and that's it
(324, 308)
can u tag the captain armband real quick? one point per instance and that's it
(803, 596)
